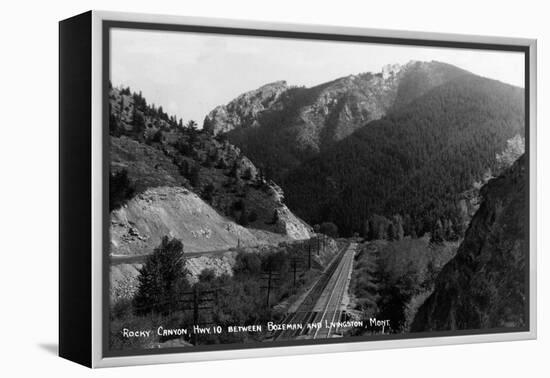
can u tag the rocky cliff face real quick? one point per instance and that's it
(469, 200)
(139, 226)
(243, 111)
(331, 111)
(485, 285)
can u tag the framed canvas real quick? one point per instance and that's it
(235, 189)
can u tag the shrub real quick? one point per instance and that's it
(156, 137)
(221, 164)
(114, 127)
(329, 229)
(247, 264)
(239, 205)
(194, 176)
(243, 219)
(208, 192)
(138, 122)
(252, 217)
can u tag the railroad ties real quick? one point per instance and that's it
(322, 305)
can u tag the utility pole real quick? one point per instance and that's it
(318, 244)
(195, 311)
(297, 267)
(295, 261)
(269, 287)
(199, 301)
(294, 272)
(309, 256)
(271, 277)
(195, 305)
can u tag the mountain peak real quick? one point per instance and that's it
(243, 110)
(395, 69)
(273, 85)
(391, 69)
(318, 116)
(375, 93)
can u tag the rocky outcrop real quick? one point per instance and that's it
(349, 103)
(123, 283)
(138, 227)
(289, 224)
(485, 285)
(219, 265)
(331, 111)
(243, 111)
(469, 200)
(515, 147)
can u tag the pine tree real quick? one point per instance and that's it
(162, 279)
(275, 219)
(121, 189)
(329, 229)
(398, 229)
(194, 176)
(138, 122)
(437, 233)
(382, 231)
(391, 232)
(243, 218)
(208, 193)
(449, 230)
(114, 128)
(372, 230)
(366, 229)
(407, 225)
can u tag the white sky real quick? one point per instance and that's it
(191, 73)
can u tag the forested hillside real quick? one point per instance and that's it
(414, 162)
(485, 284)
(150, 149)
(279, 126)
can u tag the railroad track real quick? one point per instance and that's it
(329, 311)
(323, 301)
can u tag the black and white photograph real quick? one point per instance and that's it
(243, 188)
(284, 190)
